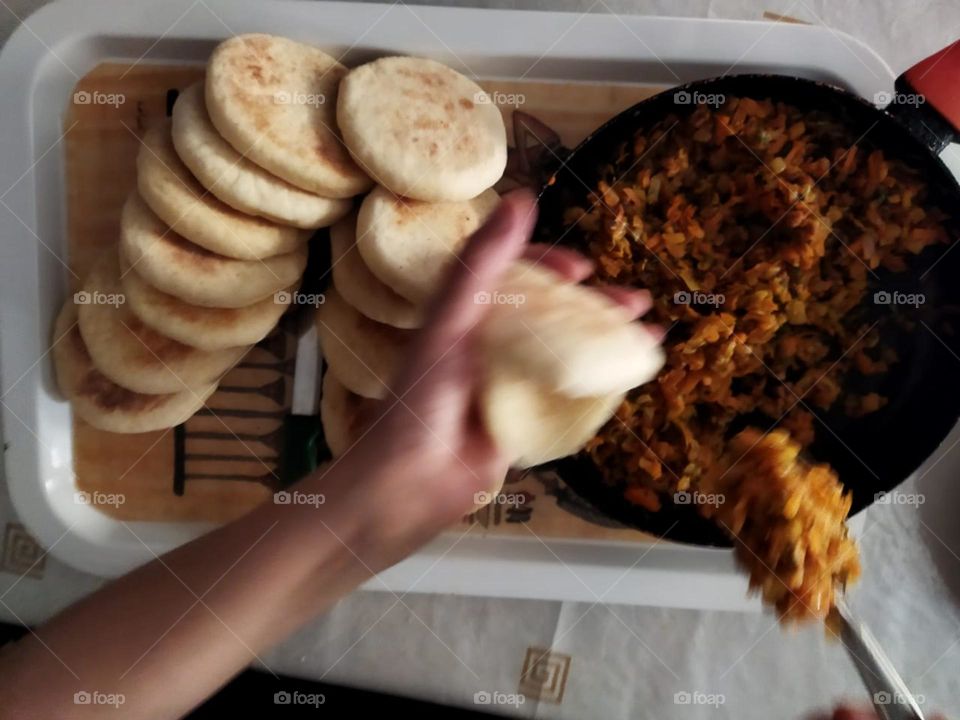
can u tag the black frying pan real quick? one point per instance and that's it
(875, 453)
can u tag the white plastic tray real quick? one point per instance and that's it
(63, 41)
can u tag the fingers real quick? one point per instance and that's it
(565, 262)
(637, 302)
(488, 254)
(846, 712)
(574, 267)
(659, 332)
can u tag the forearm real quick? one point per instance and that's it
(170, 633)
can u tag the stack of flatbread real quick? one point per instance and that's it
(277, 141)
(558, 359)
(213, 240)
(434, 145)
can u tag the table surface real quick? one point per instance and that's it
(615, 661)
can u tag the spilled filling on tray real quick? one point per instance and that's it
(756, 227)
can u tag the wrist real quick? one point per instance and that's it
(382, 509)
(340, 505)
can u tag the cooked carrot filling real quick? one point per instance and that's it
(756, 226)
(788, 517)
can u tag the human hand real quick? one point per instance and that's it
(845, 711)
(424, 454)
(200, 610)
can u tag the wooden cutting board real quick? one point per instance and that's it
(224, 460)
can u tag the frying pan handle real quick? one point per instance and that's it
(537, 152)
(927, 100)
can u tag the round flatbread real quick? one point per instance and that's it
(131, 354)
(574, 340)
(182, 203)
(363, 355)
(178, 267)
(207, 328)
(341, 415)
(410, 244)
(104, 404)
(421, 129)
(533, 425)
(239, 183)
(360, 287)
(275, 101)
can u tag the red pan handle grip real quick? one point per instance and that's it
(937, 78)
